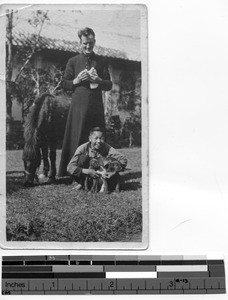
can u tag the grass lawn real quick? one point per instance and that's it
(56, 212)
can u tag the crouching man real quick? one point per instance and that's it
(91, 160)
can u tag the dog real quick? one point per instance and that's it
(94, 164)
(109, 179)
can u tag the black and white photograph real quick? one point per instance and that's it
(113, 148)
(76, 126)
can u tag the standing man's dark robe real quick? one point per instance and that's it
(86, 110)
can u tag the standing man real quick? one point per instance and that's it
(86, 75)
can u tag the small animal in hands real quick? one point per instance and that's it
(109, 175)
(94, 164)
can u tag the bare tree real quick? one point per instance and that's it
(12, 87)
(38, 21)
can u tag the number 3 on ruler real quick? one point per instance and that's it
(171, 284)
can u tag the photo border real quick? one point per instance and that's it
(145, 140)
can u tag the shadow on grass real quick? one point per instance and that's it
(132, 175)
(131, 186)
(14, 182)
(126, 185)
(57, 181)
(14, 172)
(63, 180)
(129, 183)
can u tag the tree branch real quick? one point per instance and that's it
(34, 46)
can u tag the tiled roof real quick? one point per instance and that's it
(23, 39)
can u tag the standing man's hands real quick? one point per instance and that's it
(94, 78)
(86, 75)
(82, 76)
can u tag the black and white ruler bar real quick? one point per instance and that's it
(76, 274)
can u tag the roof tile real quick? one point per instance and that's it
(23, 39)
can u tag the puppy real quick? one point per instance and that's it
(94, 164)
(111, 176)
(109, 170)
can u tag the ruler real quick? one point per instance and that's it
(107, 274)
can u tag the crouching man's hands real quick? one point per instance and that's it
(104, 174)
(108, 175)
(92, 173)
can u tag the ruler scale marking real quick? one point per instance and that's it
(76, 274)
